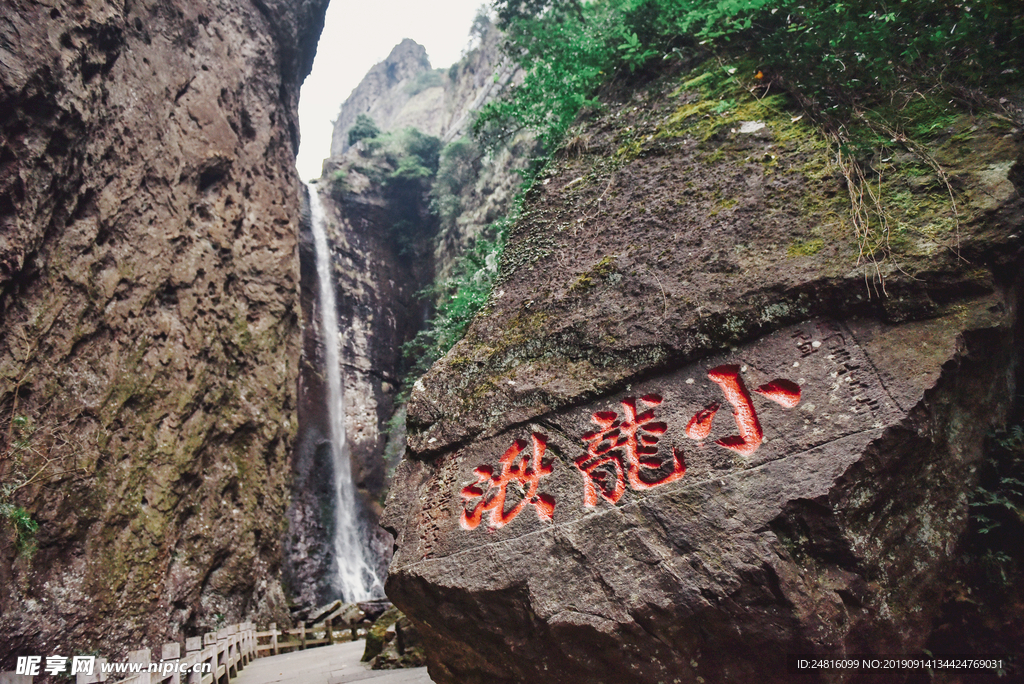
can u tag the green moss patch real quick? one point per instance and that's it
(805, 248)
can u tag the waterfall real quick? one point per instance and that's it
(354, 577)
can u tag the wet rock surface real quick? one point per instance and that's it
(377, 278)
(148, 270)
(690, 434)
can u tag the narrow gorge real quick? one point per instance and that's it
(650, 341)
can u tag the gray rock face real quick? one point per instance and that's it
(148, 271)
(404, 91)
(679, 444)
(383, 94)
(396, 95)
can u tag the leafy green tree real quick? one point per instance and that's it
(364, 128)
(426, 148)
(456, 170)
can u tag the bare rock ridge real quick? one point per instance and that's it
(385, 92)
(690, 424)
(404, 91)
(148, 271)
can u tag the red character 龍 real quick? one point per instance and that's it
(628, 447)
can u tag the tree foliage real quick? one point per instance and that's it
(836, 54)
(363, 129)
(457, 169)
(412, 154)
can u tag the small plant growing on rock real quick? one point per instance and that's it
(31, 455)
(24, 526)
(364, 128)
(339, 178)
(999, 499)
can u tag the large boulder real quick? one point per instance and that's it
(695, 431)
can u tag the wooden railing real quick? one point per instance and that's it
(275, 641)
(214, 658)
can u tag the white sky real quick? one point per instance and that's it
(359, 33)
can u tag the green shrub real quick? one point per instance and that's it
(458, 299)
(413, 156)
(426, 148)
(457, 169)
(364, 128)
(999, 498)
(24, 526)
(409, 169)
(339, 180)
(837, 55)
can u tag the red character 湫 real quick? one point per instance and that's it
(629, 447)
(783, 392)
(521, 472)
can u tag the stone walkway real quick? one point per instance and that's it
(336, 664)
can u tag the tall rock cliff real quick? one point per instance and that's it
(695, 429)
(400, 91)
(388, 245)
(376, 279)
(404, 91)
(148, 279)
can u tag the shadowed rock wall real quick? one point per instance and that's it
(148, 279)
(377, 277)
(690, 433)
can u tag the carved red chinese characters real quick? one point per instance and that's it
(783, 392)
(523, 472)
(624, 448)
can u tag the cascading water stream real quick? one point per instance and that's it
(354, 577)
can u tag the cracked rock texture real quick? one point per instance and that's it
(674, 248)
(148, 279)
